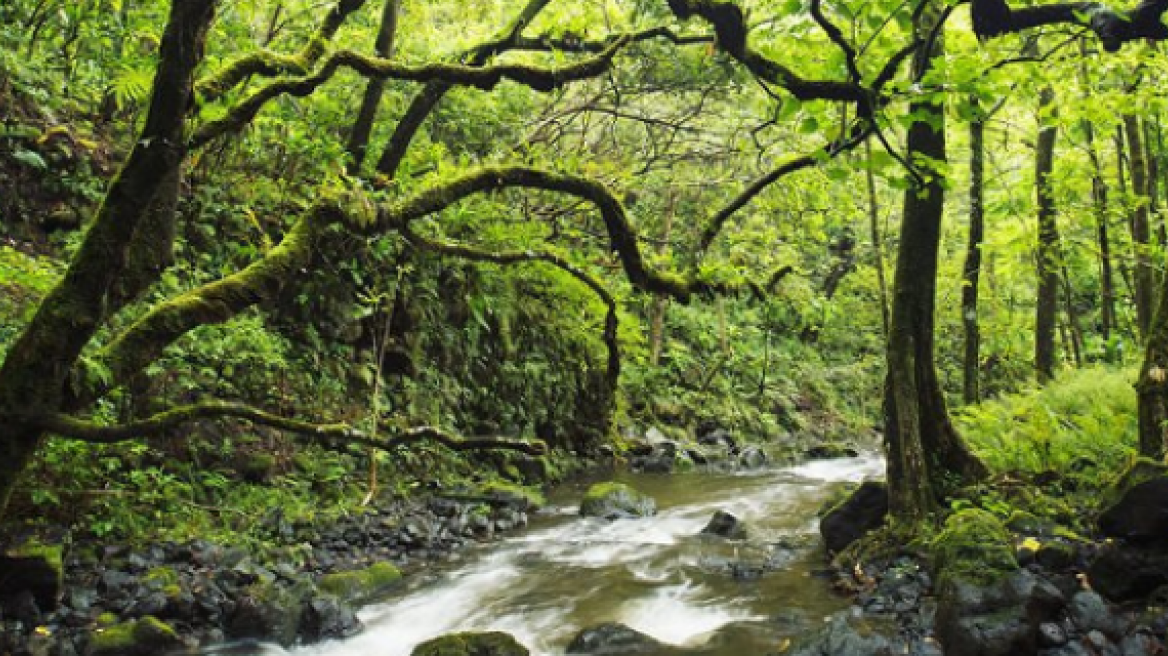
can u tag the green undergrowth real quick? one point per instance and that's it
(24, 280)
(1084, 419)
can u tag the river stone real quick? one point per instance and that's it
(830, 451)
(841, 638)
(863, 511)
(1122, 573)
(39, 575)
(490, 643)
(615, 501)
(726, 525)
(1090, 612)
(613, 638)
(752, 457)
(999, 618)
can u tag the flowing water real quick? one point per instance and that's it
(656, 575)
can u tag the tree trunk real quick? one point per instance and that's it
(363, 126)
(1046, 306)
(1099, 199)
(923, 448)
(35, 372)
(1141, 235)
(877, 241)
(660, 305)
(971, 272)
(1152, 386)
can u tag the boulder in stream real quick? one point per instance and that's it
(489, 643)
(616, 501)
(614, 638)
(726, 525)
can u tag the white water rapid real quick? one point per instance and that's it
(656, 575)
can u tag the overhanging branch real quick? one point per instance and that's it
(270, 64)
(1113, 27)
(69, 426)
(538, 78)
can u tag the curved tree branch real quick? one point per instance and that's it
(730, 26)
(540, 79)
(270, 64)
(71, 427)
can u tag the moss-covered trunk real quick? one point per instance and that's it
(35, 373)
(923, 448)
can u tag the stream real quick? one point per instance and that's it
(656, 575)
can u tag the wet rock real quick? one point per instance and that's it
(863, 511)
(38, 575)
(492, 643)
(326, 617)
(718, 437)
(269, 612)
(842, 638)
(1000, 618)
(653, 463)
(830, 451)
(1123, 573)
(1089, 612)
(615, 501)
(613, 638)
(726, 525)
(752, 457)
(1140, 515)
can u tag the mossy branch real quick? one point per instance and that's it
(71, 427)
(622, 236)
(270, 64)
(466, 252)
(215, 302)
(488, 77)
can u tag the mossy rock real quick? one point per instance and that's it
(974, 547)
(491, 643)
(616, 500)
(521, 496)
(34, 567)
(1141, 470)
(360, 583)
(145, 636)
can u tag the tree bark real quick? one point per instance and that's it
(1099, 200)
(363, 126)
(971, 271)
(1048, 257)
(35, 372)
(924, 450)
(1141, 234)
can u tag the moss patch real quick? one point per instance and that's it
(974, 547)
(529, 498)
(360, 583)
(614, 500)
(492, 643)
(147, 635)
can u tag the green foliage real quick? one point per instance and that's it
(973, 547)
(1088, 414)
